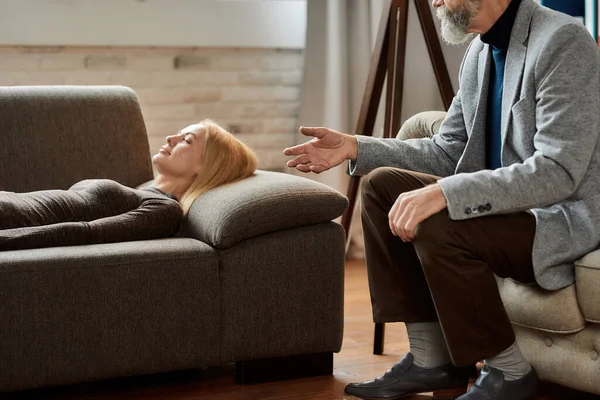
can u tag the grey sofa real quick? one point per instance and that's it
(559, 331)
(255, 278)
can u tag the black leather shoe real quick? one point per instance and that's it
(405, 379)
(491, 386)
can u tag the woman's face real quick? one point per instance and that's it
(181, 156)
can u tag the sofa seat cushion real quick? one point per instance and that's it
(533, 307)
(587, 276)
(263, 203)
(83, 313)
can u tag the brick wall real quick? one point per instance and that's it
(254, 93)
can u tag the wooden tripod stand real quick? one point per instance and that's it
(388, 57)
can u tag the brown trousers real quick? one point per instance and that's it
(447, 272)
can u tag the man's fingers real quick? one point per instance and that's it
(405, 221)
(300, 160)
(400, 229)
(403, 215)
(317, 169)
(410, 230)
(295, 150)
(392, 222)
(303, 167)
(317, 132)
(392, 216)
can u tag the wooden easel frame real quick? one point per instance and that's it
(389, 57)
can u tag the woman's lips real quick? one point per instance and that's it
(163, 151)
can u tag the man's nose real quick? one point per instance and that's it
(437, 3)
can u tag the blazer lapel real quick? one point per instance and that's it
(483, 77)
(513, 76)
(483, 66)
(474, 158)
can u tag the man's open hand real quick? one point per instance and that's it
(412, 208)
(326, 149)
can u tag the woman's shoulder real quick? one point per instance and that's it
(153, 191)
(159, 199)
(106, 184)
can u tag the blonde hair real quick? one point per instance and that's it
(225, 159)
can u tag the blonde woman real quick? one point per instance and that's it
(197, 159)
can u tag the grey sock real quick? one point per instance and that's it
(511, 362)
(427, 344)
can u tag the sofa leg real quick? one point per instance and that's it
(277, 369)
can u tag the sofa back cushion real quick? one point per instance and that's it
(54, 136)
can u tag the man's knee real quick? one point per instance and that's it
(421, 125)
(376, 182)
(383, 185)
(379, 177)
(434, 230)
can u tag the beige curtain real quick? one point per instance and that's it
(339, 41)
(337, 57)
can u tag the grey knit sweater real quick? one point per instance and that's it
(91, 211)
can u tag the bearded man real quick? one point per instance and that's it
(508, 186)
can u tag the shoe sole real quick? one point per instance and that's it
(445, 394)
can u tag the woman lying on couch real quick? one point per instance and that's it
(197, 159)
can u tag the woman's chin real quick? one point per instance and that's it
(157, 159)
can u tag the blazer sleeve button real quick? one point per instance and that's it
(488, 207)
(481, 209)
(467, 211)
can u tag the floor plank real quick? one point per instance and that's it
(354, 363)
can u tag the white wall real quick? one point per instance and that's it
(214, 23)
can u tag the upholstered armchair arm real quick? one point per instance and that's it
(421, 125)
(587, 275)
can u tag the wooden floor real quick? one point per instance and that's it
(354, 363)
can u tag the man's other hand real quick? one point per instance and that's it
(412, 208)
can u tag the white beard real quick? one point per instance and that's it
(454, 25)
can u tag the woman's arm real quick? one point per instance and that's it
(154, 218)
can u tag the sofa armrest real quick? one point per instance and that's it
(266, 202)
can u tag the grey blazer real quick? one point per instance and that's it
(550, 131)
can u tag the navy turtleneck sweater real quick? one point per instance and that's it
(498, 37)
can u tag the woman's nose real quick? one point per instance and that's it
(171, 140)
